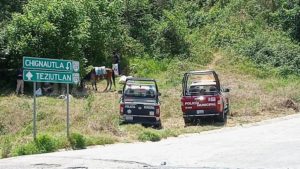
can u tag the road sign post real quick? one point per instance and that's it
(34, 111)
(52, 71)
(68, 115)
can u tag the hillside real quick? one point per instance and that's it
(96, 117)
(252, 44)
(266, 32)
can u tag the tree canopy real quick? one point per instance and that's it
(90, 30)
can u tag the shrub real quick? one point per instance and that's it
(149, 136)
(275, 51)
(29, 148)
(77, 141)
(45, 143)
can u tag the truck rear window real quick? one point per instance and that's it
(140, 91)
(198, 90)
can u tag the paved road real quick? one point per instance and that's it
(270, 144)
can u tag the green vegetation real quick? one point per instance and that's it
(29, 148)
(6, 147)
(42, 144)
(266, 32)
(149, 136)
(45, 143)
(157, 135)
(253, 45)
(77, 141)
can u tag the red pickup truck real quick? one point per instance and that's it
(202, 96)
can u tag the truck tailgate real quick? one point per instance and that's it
(208, 103)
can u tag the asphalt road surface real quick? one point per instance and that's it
(270, 144)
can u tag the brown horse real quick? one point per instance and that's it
(93, 78)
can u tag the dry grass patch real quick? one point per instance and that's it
(254, 98)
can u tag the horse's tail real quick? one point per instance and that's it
(114, 77)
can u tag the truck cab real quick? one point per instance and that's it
(139, 102)
(203, 96)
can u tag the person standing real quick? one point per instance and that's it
(20, 82)
(116, 63)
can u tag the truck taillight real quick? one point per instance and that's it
(122, 109)
(219, 104)
(157, 111)
(182, 101)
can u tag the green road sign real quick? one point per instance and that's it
(50, 76)
(50, 64)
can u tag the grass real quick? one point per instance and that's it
(254, 97)
(149, 136)
(256, 94)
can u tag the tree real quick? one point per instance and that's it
(85, 30)
(9, 7)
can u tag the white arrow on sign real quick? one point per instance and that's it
(29, 75)
(68, 65)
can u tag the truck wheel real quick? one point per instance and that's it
(228, 110)
(121, 121)
(187, 121)
(158, 126)
(223, 117)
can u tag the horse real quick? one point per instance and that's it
(93, 77)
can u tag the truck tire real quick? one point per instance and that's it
(228, 110)
(222, 117)
(187, 121)
(158, 126)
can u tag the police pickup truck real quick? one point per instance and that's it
(139, 102)
(202, 96)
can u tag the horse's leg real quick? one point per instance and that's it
(95, 83)
(92, 83)
(107, 83)
(114, 79)
(110, 81)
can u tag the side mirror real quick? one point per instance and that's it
(226, 90)
(120, 92)
(159, 94)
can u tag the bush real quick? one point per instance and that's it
(149, 136)
(29, 148)
(42, 144)
(276, 51)
(45, 143)
(77, 141)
